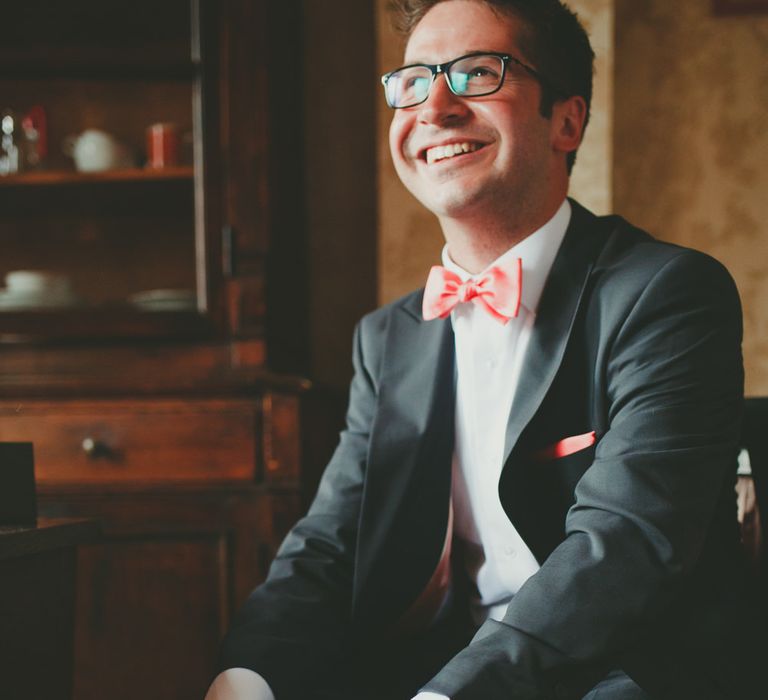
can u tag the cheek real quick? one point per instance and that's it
(509, 119)
(398, 133)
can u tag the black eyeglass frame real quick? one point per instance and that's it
(438, 68)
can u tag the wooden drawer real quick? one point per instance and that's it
(117, 441)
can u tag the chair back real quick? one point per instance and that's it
(755, 440)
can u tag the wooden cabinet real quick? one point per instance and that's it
(150, 389)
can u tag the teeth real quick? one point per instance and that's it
(452, 149)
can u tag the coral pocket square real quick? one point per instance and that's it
(566, 446)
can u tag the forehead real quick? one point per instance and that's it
(455, 27)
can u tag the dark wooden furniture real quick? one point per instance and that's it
(739, 7)
(222, 225)
(18, 498)
(753, 440)
(37, 607)
(168, 422)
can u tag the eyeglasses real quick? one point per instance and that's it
(473, 75)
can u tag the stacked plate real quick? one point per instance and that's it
(165, 300)
(37, 289)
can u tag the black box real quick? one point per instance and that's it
(18, 502)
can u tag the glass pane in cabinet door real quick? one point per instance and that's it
(96, 177)
(105, 244)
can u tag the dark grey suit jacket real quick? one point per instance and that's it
(635, 339)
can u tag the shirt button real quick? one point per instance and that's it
(491, 364)
(510, 552)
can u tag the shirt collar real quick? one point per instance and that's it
(537, 251)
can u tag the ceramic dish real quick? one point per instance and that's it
(165, 300)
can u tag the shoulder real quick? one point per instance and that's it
(632, 263)
(633, 275)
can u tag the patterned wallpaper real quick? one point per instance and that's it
(592, 178)
(691, 142)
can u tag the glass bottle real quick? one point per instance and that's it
(10, 155)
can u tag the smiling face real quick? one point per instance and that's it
(479, 156)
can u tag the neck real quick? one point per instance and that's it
(474, 243)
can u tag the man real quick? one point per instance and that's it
(533, 497)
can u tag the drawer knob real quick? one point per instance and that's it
(94, 448)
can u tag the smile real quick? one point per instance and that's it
(451, 150)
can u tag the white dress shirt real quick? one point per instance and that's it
(489, 357)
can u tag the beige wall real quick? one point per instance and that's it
(339, 146)
(409, 237)
(691, 148)
(592, 178)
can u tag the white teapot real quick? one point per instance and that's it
(95, 150)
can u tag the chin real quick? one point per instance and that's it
(452, 202)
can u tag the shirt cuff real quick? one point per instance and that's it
(745, 466)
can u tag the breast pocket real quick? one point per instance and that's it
(565, 447)
(559, 466)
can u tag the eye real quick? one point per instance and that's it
(417, 86)
(482, 72)
(476, 75)
(415, 82)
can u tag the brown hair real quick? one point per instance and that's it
(554, 41)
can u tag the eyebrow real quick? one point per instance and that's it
(478, 52)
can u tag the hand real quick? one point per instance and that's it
(239, 684)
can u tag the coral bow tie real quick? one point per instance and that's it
(497, 290)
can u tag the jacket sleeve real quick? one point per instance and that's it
(301, 612)
(673, 381)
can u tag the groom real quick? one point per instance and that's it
(533, 496)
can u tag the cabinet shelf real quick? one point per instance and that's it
(93, 63)
(79, 324)
(71, 177)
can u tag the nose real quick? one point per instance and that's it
(442, 106)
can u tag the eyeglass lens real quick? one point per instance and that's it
(469, 76)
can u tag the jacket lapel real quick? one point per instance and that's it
(407, 492)
(552, 329)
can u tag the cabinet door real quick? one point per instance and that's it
(148, 617)
(119, 248)
(156, 593)
(263, 132)
(100, 238)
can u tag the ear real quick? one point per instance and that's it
(568, 117)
